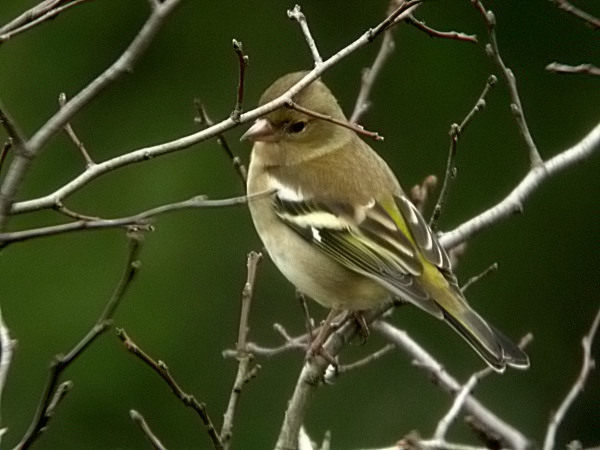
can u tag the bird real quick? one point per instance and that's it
(337, 224)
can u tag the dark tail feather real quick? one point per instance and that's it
(494, 347)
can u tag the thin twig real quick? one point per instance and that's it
(40, 13)
(516, 107)
(513, 202)
(471, 281)
(587, 18)
(458, 36)
(363, 362)
(205, 121)
(243, 63)
(141, 422)
(4, 153)
(370, 74)
(16, 136)
(7, 347)
(444, 424)
(456, 132)
(588, 69)
(404, 10)
(62, 100)
(245, 370)
(49, 398)
(163, 371)
(351, 126)
(141, 220)
(587, 365)
(299, 17)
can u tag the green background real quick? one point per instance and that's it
(184, 306)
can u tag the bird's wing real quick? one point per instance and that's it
(371, 239)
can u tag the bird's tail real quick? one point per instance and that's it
(491, 344)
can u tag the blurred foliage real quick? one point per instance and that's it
(184, 306)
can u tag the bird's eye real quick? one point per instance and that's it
(297, 127)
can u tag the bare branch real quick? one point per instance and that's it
(456, 132)
(243, 63)
(586, 366)
(516, 107)
(514, 439)
(370, 74)
(588, 19)
(245, 371)
(163, 371)
(205, 121)
(351, 126)
(141, 422)
(588, 69)
(471, 281)
(52, 395)
(441, 34)
(62, 100)
(22, 161)
(86, 223)
(299, 17)
(7, 347)
(144, 154)
(513, 202)
(45, 10)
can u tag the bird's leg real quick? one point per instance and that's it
(363, 328)
(316, 346)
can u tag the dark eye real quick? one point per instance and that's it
(297, 127)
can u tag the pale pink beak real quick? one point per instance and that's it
(261, 130)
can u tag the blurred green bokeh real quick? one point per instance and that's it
(184, 306)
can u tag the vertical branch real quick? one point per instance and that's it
(243, 63)
(7, 346)
(516, 107)
(299, 17)
(586, 366)
(456, 131)
(245, 372)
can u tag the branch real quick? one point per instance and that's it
(7, 347)
(516, 106)
(588, 19)
(141, 422)
(62, 101)
(52, 395)
(441, 34)
(245, 372)
(22, 160)
(146, 153)
(358, 129)
(586, 366)
(443, 379)
(588, 69)
(513, 202)
(243, 63)
(163, 371)
(456, 132)
(141, 219)
(299, 17)
(45, 10)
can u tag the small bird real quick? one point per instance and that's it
(341, 229)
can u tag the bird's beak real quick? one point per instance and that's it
(261, 130)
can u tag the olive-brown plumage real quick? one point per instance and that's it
(339, 226)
